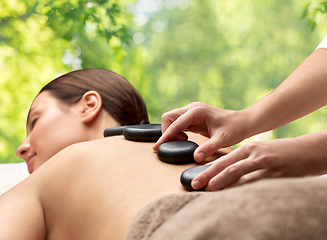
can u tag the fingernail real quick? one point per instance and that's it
(201, 156)
(196, 184)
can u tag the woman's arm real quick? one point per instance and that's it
(21, 214)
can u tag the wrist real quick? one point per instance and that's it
(264, 115)
(249, 122)
(243, 124)
(312, 149)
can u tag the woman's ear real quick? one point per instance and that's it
(90, 106)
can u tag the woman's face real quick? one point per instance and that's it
(51, 126)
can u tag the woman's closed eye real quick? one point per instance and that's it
(33, 122)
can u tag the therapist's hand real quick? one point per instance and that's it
(290, 157)
(224, 127)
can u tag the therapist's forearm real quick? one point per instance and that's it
(303, 92)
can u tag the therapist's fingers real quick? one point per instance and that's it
(251, 177)
(175, 126)
(219, 166)
(169, 117)
(166, 121)
(216, 167)
(231, 174)
(206, 149)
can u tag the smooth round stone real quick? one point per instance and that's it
(114, 131)
(143, 132)
(189, 174)
(177, 152)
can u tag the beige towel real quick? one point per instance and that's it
(280, 209)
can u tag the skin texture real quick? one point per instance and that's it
(303, 92)
(90, 190)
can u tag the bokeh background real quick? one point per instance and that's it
(227, 53)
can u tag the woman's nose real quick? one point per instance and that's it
(23, 149)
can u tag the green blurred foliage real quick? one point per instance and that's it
(314, 12)
(43, 39)
(227, 53)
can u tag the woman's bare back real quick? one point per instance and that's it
(93, 190)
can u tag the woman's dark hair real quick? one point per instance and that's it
(119, 98)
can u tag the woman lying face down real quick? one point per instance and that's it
(92, 189)
(77, 107)
(89, 190)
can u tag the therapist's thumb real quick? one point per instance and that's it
(205, 150)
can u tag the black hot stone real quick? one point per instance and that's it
(114, 131)
(189, 174)
(143, 132)
(177, 152)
